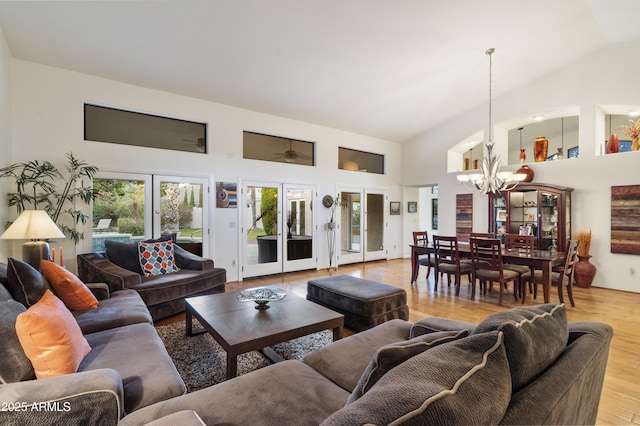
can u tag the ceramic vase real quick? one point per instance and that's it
(540, 147)
(613, 145)
(635, 146)
(527, 171)
(584, 271)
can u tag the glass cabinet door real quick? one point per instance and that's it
(500, 217)
(523, 213)
(549, 221)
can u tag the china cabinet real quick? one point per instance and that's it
(533, 209)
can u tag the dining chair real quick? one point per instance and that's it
(559, 277)
(422, 238)
(448, 261)
(482, 235)
(486, 257)
(524, 244)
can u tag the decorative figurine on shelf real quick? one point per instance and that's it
(633, 131)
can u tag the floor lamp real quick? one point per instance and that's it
(34, 225)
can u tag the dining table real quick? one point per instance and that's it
(544, 260)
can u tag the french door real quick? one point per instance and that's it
(278, 228)
(362, 226)
(133, 207)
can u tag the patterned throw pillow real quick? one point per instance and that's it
(157, 258)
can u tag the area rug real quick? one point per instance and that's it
(202, 362)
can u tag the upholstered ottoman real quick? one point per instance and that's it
(363, 303)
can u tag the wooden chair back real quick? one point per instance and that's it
(482, 235)
(571, 257)
(420, 238)
(446, 249)
(486, 253)
(520, 242)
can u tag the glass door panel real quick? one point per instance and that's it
(262, 230)
(181, 211)
(122, 211)
(549, 221)
(350, 227)
(374, 226)
(298, 218)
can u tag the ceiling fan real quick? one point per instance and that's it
(291, 156)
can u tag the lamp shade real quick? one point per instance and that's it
(32, 225)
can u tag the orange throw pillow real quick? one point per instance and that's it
(75, 295)
(51, 337)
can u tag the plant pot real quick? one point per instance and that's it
(584, 272)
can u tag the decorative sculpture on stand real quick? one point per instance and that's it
(331, 203)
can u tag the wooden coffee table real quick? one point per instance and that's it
(238, 327)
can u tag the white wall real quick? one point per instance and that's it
(597, 79)
(5, 138)
(48, 122)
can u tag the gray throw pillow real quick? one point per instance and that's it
(390, 356)
(14, 364)
(534, 337)
(125, 255)
(25, 283)
(466, 381)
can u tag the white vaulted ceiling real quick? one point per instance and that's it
(389, 69)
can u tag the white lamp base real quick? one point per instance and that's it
(34, 251)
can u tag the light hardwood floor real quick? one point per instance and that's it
(620, 401)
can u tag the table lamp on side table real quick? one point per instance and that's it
(34, 225)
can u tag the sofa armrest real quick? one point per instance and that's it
(90, 397)
(435, 324)
(95, 268)
(99, 290)
(188, 260)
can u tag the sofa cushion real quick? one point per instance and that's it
(124, 307)
(465, 381)
(358, 349)
(390, 356)
(24, 282)
(139, 356)
(14, 364)
(157, 258)
(73, 293)
(284, 393)
(535, 336)
(51, 338)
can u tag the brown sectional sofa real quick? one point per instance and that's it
(164, 295)
(127, 368)
(522, 366)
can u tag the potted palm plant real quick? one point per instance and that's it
(63, 195)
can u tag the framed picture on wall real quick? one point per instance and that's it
(412, 206)
(394, 207)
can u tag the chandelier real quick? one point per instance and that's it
(491, 180)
